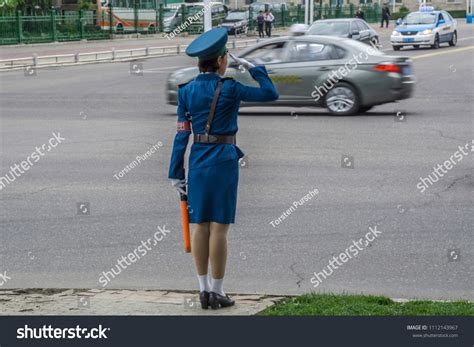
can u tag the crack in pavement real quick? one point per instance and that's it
(298, 283)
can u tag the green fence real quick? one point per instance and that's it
(79, 25)
(295, 14)
(36, 29)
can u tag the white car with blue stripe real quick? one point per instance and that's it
(425, 27)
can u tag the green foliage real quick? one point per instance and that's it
(365, 305)
(85, 5)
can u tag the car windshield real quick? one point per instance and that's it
(167, 13)
(329, 28)
(420, 18)
(194, 9)
(236, 16)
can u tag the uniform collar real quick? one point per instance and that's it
(208, 76)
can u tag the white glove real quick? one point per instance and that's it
(179, 185)
(242, 62)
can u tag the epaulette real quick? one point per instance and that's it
(183, 84)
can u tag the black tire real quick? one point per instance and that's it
(151, 29)
(364, 109)
(416, 46)
(435, 45)
(342, 100)
(396, 48)
(454, 39)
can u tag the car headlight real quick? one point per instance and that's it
(425, 32)
(395, 33)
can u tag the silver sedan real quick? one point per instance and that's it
(343, 75)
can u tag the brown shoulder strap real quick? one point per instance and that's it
(213, 108)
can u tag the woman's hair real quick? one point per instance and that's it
(209, 65)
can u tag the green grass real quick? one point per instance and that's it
(364, 305)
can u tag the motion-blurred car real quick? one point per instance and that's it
(426, 27)
(353, 28)
(303, 69)
(236, 22)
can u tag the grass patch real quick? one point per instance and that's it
(364, 305)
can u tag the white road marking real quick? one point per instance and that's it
(166, 68)
(443, 52)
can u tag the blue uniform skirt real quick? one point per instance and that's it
(212, 193)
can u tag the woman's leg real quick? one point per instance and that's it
(200, 249)
(218, 255)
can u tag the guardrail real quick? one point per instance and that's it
(102, 56)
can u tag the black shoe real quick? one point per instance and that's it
(216, 300)
(204, 298)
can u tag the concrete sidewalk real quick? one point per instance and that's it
(122, 302)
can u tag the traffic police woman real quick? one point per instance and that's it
(208, 107)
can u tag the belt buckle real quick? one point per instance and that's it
(211, 138)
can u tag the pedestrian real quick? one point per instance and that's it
(208, 107)
(385, 15)
(268, 18)
(260, 22)
(360, 14)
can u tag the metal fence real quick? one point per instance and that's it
(91, 25)
(295, 14)
(36, 29)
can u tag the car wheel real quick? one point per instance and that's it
(416, 46)
(342, 100)
(396, 48)
(119, 29)
(454, 39)
(364, 109)
(435, 45)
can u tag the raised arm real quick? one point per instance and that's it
(180, 141)
(266, 91)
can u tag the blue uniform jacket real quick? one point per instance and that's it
(196, 98)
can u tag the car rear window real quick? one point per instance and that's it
(329, 28)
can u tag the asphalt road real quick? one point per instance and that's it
(109, 116)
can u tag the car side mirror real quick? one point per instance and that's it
(399, 21)
(441, 21)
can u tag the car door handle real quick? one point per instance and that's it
(324, 68)
(270, 72)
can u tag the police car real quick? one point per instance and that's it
(425, 27)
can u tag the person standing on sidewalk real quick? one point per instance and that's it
(208, 107)
(268, 18)
(260, 22)
(385, 15)
(360, 14)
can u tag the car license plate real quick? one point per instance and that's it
(408, 39)
(407, 70)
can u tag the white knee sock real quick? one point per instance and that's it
(217, 286)
(204, 284)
